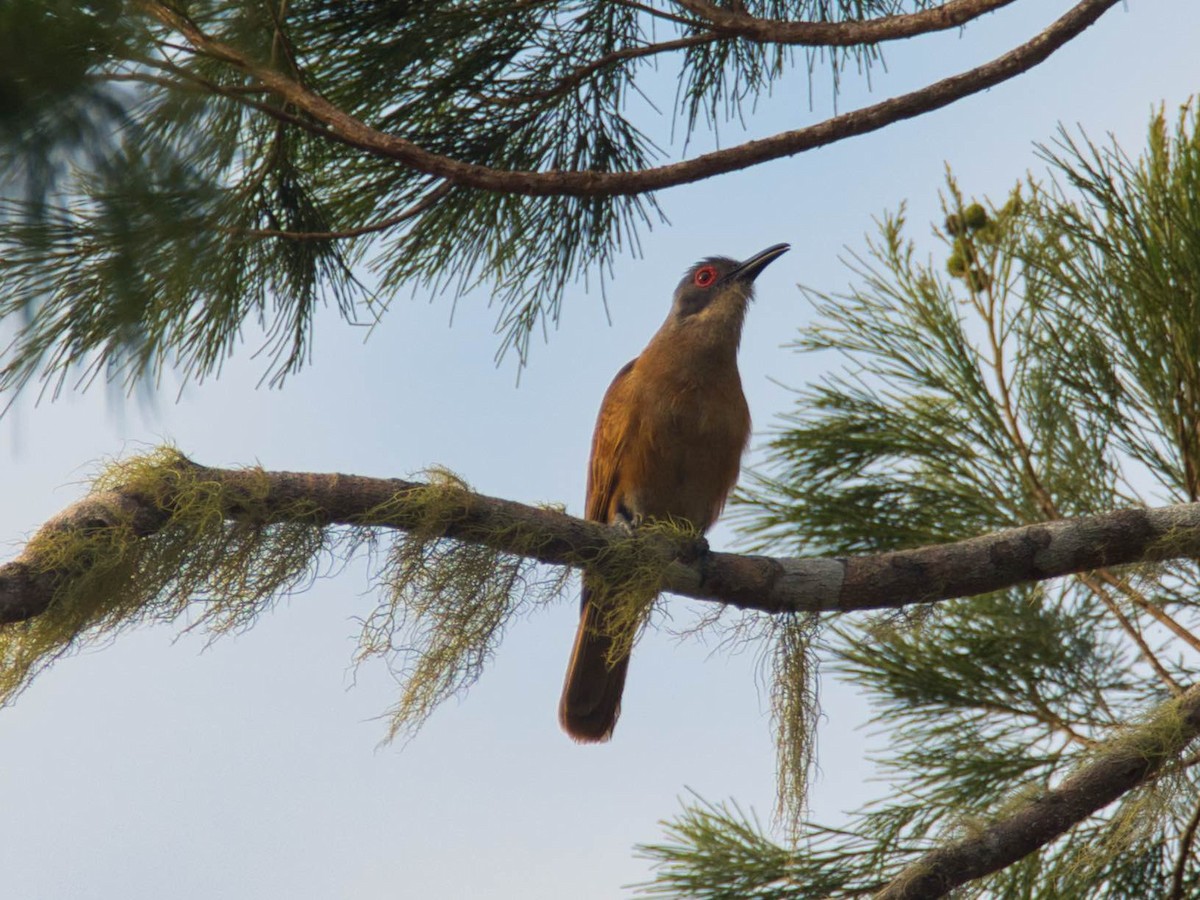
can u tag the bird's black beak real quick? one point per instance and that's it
(749, 269)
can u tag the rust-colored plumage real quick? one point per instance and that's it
(668, 444)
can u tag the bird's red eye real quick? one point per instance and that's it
(705, 276)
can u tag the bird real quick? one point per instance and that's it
(668, 444)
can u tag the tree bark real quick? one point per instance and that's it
(771, 584)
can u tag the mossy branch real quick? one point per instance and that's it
(148, 496)
(1117, 767)
(141, 498)
(161, 535)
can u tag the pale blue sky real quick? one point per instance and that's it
(148, 768)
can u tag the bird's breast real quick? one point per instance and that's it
(692, 437)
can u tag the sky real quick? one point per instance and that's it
(157, 765)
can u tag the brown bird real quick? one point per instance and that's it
(668, 444)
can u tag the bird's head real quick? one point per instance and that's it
(718, 289)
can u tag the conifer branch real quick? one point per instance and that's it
(341, 126)
(771, 584)
(1185, 853)
(1131, 628)
(579, 75)
(1129, 761)
(953, 14)
(1011, 419)
(661, 14)
(425, 203)
(1160, 615)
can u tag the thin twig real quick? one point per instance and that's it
(577, 76)
(425, 203)
(1010, 415)
(1185, 852)
(1041, 714)
(1151, 609)
(689, 21)
(1134, 632)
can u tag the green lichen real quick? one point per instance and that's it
(223, 557)
(794, 712)
(217, 550)
(224, 571)
(631, 572)
(445, 603)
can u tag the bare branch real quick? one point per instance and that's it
(341, 126)
(1129, 761)
(883, 581)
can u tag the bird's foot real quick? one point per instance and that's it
(697, 548)
(626, 520)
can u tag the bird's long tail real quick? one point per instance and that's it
(591, 697)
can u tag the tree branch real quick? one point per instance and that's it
(1185, 852)
(662, 14)
(349, 130)
(578, 75)
(775, 585)
(1130, 760)
(953, 14)
(1131, 628)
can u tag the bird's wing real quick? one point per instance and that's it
(613, 427)
(591, 699)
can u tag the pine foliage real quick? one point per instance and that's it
(1045, 366)
(158, 206)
